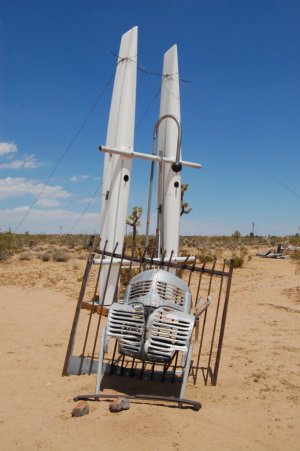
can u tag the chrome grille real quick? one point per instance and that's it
(139, 289)
(167, 331)
(127, 324)
(170, 292)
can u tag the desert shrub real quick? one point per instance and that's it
(295, 256)
(4, 254)
(60, 255)
(238, 261)
(45, 256)
(25, 256)
(206, 257)
(7, 246)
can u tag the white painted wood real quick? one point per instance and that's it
(120, 134)
(169, 196)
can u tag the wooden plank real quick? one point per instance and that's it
(95, 308)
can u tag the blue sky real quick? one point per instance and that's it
(240, 111)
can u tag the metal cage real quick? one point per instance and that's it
(159, 327)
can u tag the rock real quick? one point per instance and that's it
(119, 404)
(81, 409)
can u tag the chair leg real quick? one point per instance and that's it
(186, 372)
(100, 369)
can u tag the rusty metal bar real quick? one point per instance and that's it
(142, 370)
(199, 283)
(142, 259)
(223, 322)
(200, 345)
(152, 371)
(211, 276)
(91, 313)
(175, 368)
(119, 272)
(101, 310)
(195, 405)
(122, 365)
(214, 328)
(77, 313)
(171, 255)
(192, 271)
(172, 265)
(132, 367)
(113, 359)
(152, 257)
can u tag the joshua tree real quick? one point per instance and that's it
(184, 205)
(134, 220)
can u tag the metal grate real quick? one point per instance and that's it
(139, 289)
(204, 279)
(126, 323)
(168, 331)
(171, 293)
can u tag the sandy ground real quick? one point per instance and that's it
(254, 406)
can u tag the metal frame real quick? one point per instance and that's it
(206, 279)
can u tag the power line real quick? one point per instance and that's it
(147, 108)
(86, 208)
(89, 114)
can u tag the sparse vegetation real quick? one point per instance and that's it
(62, 247)
(134, 220)
(185, 210)
(25, 255)
(60, 255)
(45, 256)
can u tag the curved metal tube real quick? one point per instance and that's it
(155, 132)
(154, 152)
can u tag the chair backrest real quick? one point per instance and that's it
(159, 288)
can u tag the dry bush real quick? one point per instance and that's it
(60, 255)
(26, 255)
(44, 256)
(4, 254)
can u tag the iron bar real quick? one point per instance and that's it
(171, 255)
(223, 322)
(199, 283)
(132, 367)
(113, 358)
(175, 367)
(150, 260)
(91, 313)
(119, 273)
(191, 271)
(215, 326)
(101, 310)
(77, 313)
(196, 405)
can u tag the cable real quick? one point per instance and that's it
(66, 150)
(146, 71)
(259, 165)
(147, 109)
(253, 160)
(85, 209)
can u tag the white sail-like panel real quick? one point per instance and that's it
(117, 170)
(169, 196)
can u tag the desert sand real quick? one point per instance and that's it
(255, 405)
